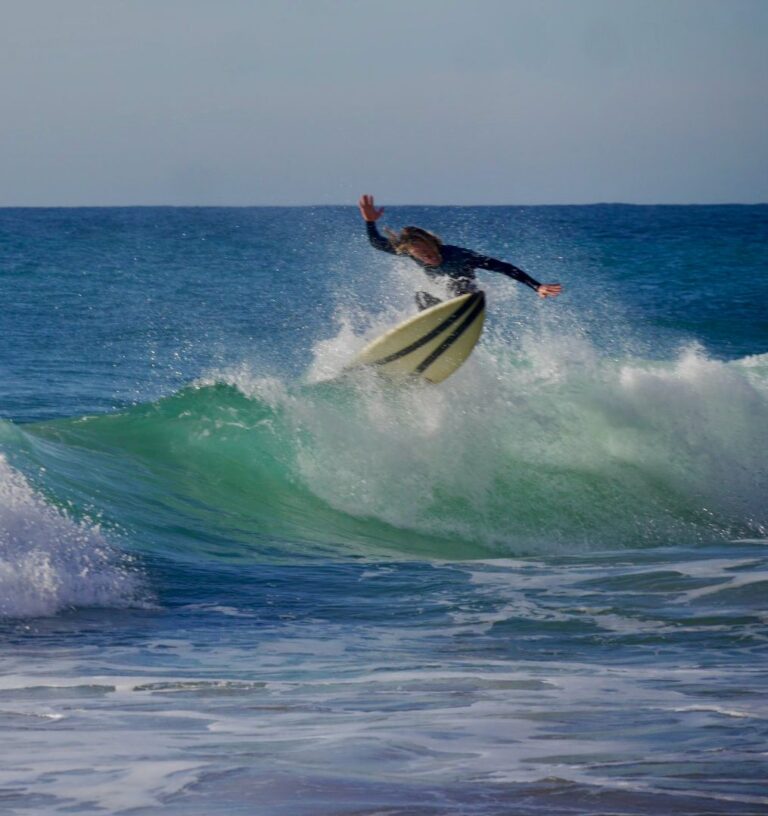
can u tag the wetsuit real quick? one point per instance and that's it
(458, 265)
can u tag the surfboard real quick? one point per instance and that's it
(432, 344)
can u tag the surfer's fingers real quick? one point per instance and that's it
(366, 202)
(367, 208)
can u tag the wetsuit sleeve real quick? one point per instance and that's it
(377, 239)
(508, 269)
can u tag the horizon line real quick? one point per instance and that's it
(326, 205)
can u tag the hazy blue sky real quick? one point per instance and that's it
(418, 101)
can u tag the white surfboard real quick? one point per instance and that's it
(431, 344)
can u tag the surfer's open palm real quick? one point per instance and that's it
(546, 290)
(368, 209)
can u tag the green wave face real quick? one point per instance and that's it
(501, 459)
(211, 472)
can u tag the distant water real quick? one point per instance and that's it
(232, 582)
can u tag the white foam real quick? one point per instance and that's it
(50, 561)
(725, 712)
(598, 446)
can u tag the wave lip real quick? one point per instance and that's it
(50, 561)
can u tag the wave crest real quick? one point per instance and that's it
(49, 561)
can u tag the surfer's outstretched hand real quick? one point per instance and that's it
(368, 208)
(546, 290)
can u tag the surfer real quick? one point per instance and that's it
(441, 260)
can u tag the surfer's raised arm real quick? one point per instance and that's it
(371, 214)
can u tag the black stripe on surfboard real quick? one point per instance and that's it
(452, 337)
(430, 335)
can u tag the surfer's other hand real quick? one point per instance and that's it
(368, 208)
(546, 290)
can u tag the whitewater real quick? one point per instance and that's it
(233, 576)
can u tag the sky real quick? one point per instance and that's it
(285, 102)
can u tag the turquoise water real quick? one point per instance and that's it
(233, 582)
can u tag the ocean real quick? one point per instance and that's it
(232, 581)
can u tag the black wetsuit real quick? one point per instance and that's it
(458, 265)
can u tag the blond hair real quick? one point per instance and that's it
(402, 241)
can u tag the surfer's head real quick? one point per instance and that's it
(418, 243)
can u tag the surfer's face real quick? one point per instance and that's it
(424, 252)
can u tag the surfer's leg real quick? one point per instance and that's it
(424, 300)
(461, 286)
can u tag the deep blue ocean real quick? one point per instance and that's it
(232, 581)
